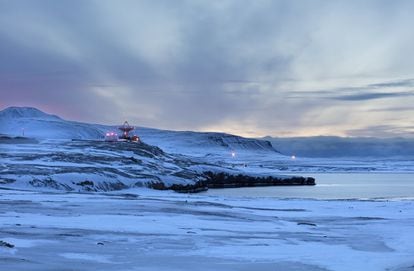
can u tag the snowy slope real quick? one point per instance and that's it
(197, 143)
(26, 112)
(41, 125)
(32, 122)
(93, 165)
(90, 165)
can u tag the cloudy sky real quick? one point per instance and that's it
(254, 68)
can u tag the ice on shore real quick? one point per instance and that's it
(151, 230)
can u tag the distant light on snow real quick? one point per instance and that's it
(293, 157)
(233, 154)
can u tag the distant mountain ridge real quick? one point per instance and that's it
(331, 146)
(33, 122)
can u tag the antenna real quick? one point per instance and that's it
(126, 128)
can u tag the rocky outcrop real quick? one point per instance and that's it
(225, 180)
(181, 188)
(17, 140)
(6, 244)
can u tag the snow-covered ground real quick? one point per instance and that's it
(152, 230)
(89, 165)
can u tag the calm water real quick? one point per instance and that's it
(335, 186)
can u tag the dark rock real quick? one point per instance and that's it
(17, 140)
(157, 185)
(226, 180)
(49, 183)
(307, 224)
(5, 244)
(133, 159)
(6, 181)
(85, 183)
(180, 188)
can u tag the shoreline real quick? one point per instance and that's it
(223, 180)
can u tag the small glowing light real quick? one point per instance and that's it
(107, 134)
(233, 154)
(293, 157)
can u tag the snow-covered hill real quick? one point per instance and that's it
(72, 155)
(32, 122)
(90, 165)
(93, 165)
(26, 112)
(202, 143)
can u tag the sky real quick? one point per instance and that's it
(252, 68)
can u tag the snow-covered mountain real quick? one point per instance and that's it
(31, 122)
(26, 112)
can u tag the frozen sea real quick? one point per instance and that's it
(335, 186)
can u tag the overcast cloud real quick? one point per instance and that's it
(247, 67)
